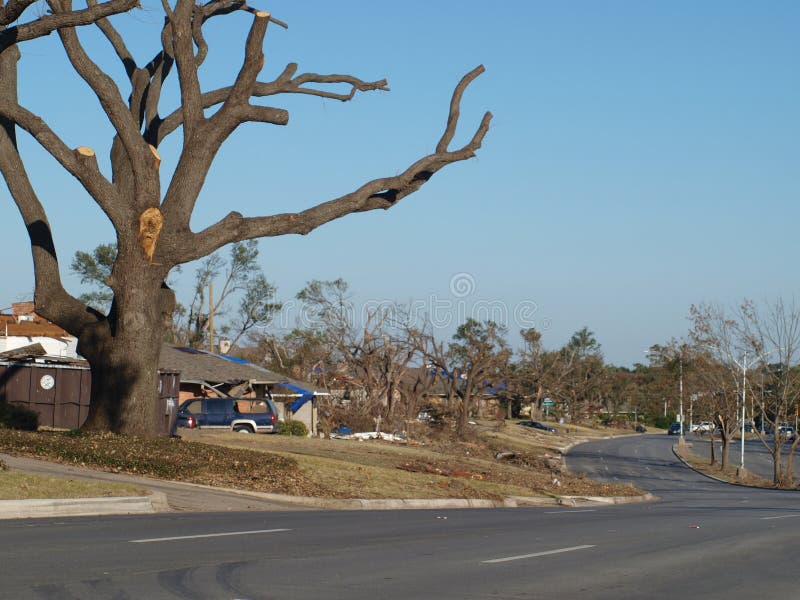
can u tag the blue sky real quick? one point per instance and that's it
(642, 157)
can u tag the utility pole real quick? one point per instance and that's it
(211, 316)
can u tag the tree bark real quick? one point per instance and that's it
(777, 471)
(713, 448)
(725, 451)
(123, 352)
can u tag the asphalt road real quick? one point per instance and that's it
(703, 539)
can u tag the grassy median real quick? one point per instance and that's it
(493, 462)
(24, 486)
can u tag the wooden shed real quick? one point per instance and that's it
(59, 392)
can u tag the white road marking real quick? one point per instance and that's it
(535, 554)
(206, 535)
(565, 512)
(780, 517)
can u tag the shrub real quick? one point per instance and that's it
(18, 417)
(661, 421)
(291, 427)
(3, 466)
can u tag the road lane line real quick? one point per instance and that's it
(206, 535)
(535, 554)
(566, 512)
(780, 517)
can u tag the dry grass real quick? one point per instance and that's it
(23, 486)
(431, 466)
(730, 473)
(164, 458)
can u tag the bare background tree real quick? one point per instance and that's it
(152, 224)
(240, 273)
(753, 354)
(476, 359)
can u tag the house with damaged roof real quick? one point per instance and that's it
(204, 373)
(24, 329)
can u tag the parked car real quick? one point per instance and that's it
(786, 431)
(537, 425)
(243, 415)
(702, 427)
(674, 429)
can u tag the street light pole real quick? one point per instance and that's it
(744, 392)
(743, 366)
(680, 394)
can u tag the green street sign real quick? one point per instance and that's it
(548, 402)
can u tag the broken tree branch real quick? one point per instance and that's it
(73, 18)
(381, 193)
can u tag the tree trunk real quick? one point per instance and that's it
(124, 394)
(390, 401)
(713, 448)
(777, 475)
(123, 352)
(725, 451)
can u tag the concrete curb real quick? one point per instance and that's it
(80, 507)
(584, 500)
(364, 503)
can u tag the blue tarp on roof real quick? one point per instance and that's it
(305, 395)
(240, 361)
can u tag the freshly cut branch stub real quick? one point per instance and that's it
(150, 223)
(156, 155)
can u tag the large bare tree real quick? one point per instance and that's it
(152, 223)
